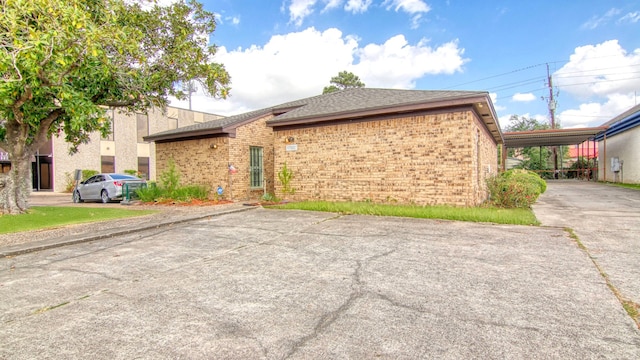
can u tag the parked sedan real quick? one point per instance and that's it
(106, 187)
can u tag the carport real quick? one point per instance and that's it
(553, 137)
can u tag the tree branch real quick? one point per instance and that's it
(42, 133)
(17, 113)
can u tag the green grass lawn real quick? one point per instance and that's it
(628, 186)
(44, 217)
(473, 214)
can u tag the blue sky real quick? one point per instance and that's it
(278, 51)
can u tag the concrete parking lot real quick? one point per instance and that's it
(272, 284)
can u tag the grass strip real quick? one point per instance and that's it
(46, 217)
(627, 186)
(472, 214)
(632, 308)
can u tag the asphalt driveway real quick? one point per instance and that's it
(270, 284)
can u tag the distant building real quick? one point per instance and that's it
(619, 148)
(124, 149)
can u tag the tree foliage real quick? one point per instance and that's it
(64, 62)
(344, 80)
(534, 158)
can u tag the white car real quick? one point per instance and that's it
(106, 187)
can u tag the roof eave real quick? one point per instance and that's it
(489, 119)
(189, 135)
(373, 111)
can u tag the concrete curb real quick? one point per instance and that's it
(26, 248)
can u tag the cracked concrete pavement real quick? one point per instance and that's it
(274, 284)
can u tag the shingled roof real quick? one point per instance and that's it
(346, 105)
(223, 126)
(360, 103)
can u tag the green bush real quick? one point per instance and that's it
(516, 188)
(88, 173)
(188, 193)
(150, 193)
(170, 189)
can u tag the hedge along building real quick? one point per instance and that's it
(405, 146)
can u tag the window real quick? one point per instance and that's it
(142, 121)
(255, 167)
(143, 167)
(108, 164)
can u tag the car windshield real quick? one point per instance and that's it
(122, 177)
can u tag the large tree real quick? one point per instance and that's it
(63, 62)
(344, 80)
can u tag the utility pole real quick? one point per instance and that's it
(190, 87)
(552, 110)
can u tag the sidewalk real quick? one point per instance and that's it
(73, 234)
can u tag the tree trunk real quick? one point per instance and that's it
(15, 186)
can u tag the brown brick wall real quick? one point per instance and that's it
(200, 164)
(256, 133)
(427, 160)
(196, 161)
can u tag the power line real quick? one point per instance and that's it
(495, 76)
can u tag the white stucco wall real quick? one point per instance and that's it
(124, 146)
(626, 147)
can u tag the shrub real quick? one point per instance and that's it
(285, 175)
(188, 193)
(69, 182)
(170, 178)
(268, 197)
(88, 173)
(516, 188)
(150, 193)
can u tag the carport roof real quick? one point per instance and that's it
(555, 137)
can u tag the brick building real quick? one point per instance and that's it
(381, 145)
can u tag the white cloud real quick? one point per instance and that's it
(596, 21)
(523, 97)
(604, 77)
(331, 4)
(408, 6)
(599, 71)
(300, 64)
(397, 64)
(416, 8)
(357, 6)
(494, 100)
(632, 17)
(300, 9)
(595, 113)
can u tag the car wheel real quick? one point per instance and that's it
(104, 196)
(76, 197)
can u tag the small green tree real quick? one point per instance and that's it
(170, 178)
(344, 80)
(285, 175)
